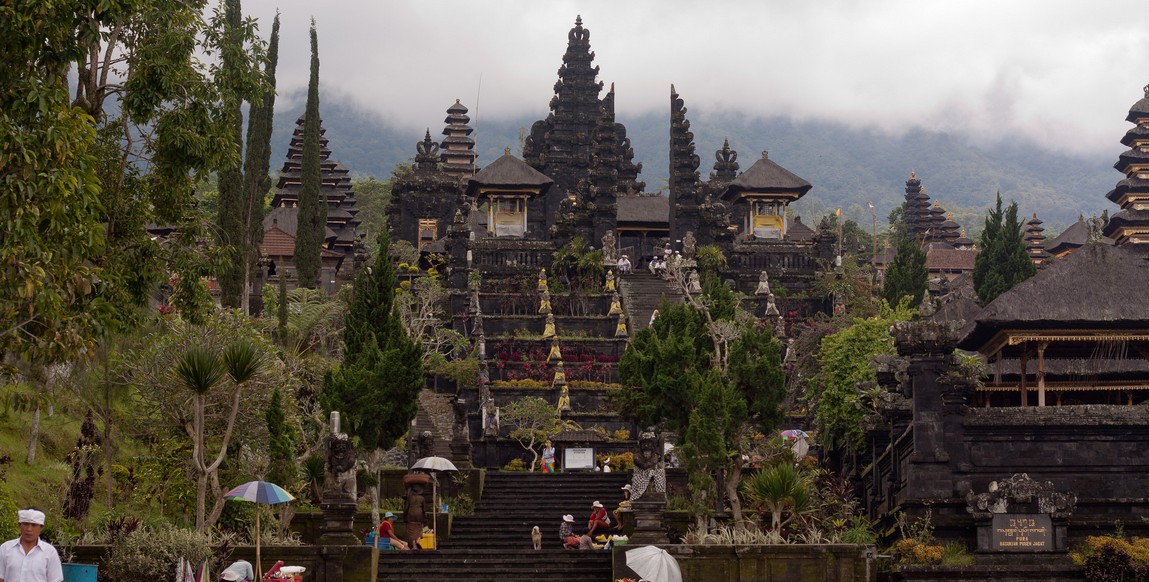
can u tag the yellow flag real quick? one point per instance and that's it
(839, 212)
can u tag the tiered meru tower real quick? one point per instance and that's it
(580, 146)
(335, 187)
(1131, 224)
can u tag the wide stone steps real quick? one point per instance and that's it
(495, 542)
(513, 503)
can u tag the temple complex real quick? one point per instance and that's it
(1045, 428)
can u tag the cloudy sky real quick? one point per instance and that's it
(1063, 73)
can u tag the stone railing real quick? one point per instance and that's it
(494, 255)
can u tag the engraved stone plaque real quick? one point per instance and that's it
(1022, 532)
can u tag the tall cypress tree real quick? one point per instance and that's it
(377, 387)
(231, 178)
(1002, 261)
(907, 274)
(242, 188)
(257, 182)
(312, 222)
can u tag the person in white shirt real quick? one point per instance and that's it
(29, 558)
(624, 264)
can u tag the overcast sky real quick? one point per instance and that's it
(1063, 73)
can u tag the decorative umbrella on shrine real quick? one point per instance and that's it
(261, 493)
(654, 564)
(434, 465)
(800, 446)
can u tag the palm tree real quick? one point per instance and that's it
(779, 489)
(201, 369)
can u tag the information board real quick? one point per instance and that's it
(578, 458)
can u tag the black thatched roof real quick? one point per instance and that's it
(511, 172)
(1073, 237)
(644, 209)
(1126, 218)
(1140, 109)
(797, 231)
(1098, 286)
(767, 177)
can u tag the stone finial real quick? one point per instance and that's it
(506, 151)
(765, 155)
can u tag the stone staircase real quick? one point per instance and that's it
(495, 543)
(435, 414)
(642, 293)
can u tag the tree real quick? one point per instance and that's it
(1003, 261)
(372, 197)
(243, 185)
(780, 488)
(907, 274)
(281, 443)
(51, 195)
(312, 220)
(532, 421)
(164, 407)
(378, 384)
(201, 369)
(837, 402)
(706, 371)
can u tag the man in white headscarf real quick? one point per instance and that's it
(29, 558)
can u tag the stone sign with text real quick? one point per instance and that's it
(1022, 532)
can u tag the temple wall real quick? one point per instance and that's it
(945, 449)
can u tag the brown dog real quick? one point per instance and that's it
(536, 538)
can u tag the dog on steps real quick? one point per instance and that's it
(536, 538)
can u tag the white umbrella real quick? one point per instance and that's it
(653, 563)
(433, 465)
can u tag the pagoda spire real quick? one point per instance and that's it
(1035, 242)
(458, 148)
(1131, 224)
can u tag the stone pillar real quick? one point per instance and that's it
(338, 524)
(648, 525)
(339, 491)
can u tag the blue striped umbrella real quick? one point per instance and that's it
(263, 493)
(260, 492)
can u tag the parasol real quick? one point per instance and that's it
(653, 563)
(794, 433)
(434, 465)
(261, 493)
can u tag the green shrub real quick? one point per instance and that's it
(516, 465)
(957, 555)
(462, 505)
(152, 553)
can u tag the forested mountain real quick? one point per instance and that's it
(847, 166)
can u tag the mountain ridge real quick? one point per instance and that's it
(848, 167)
